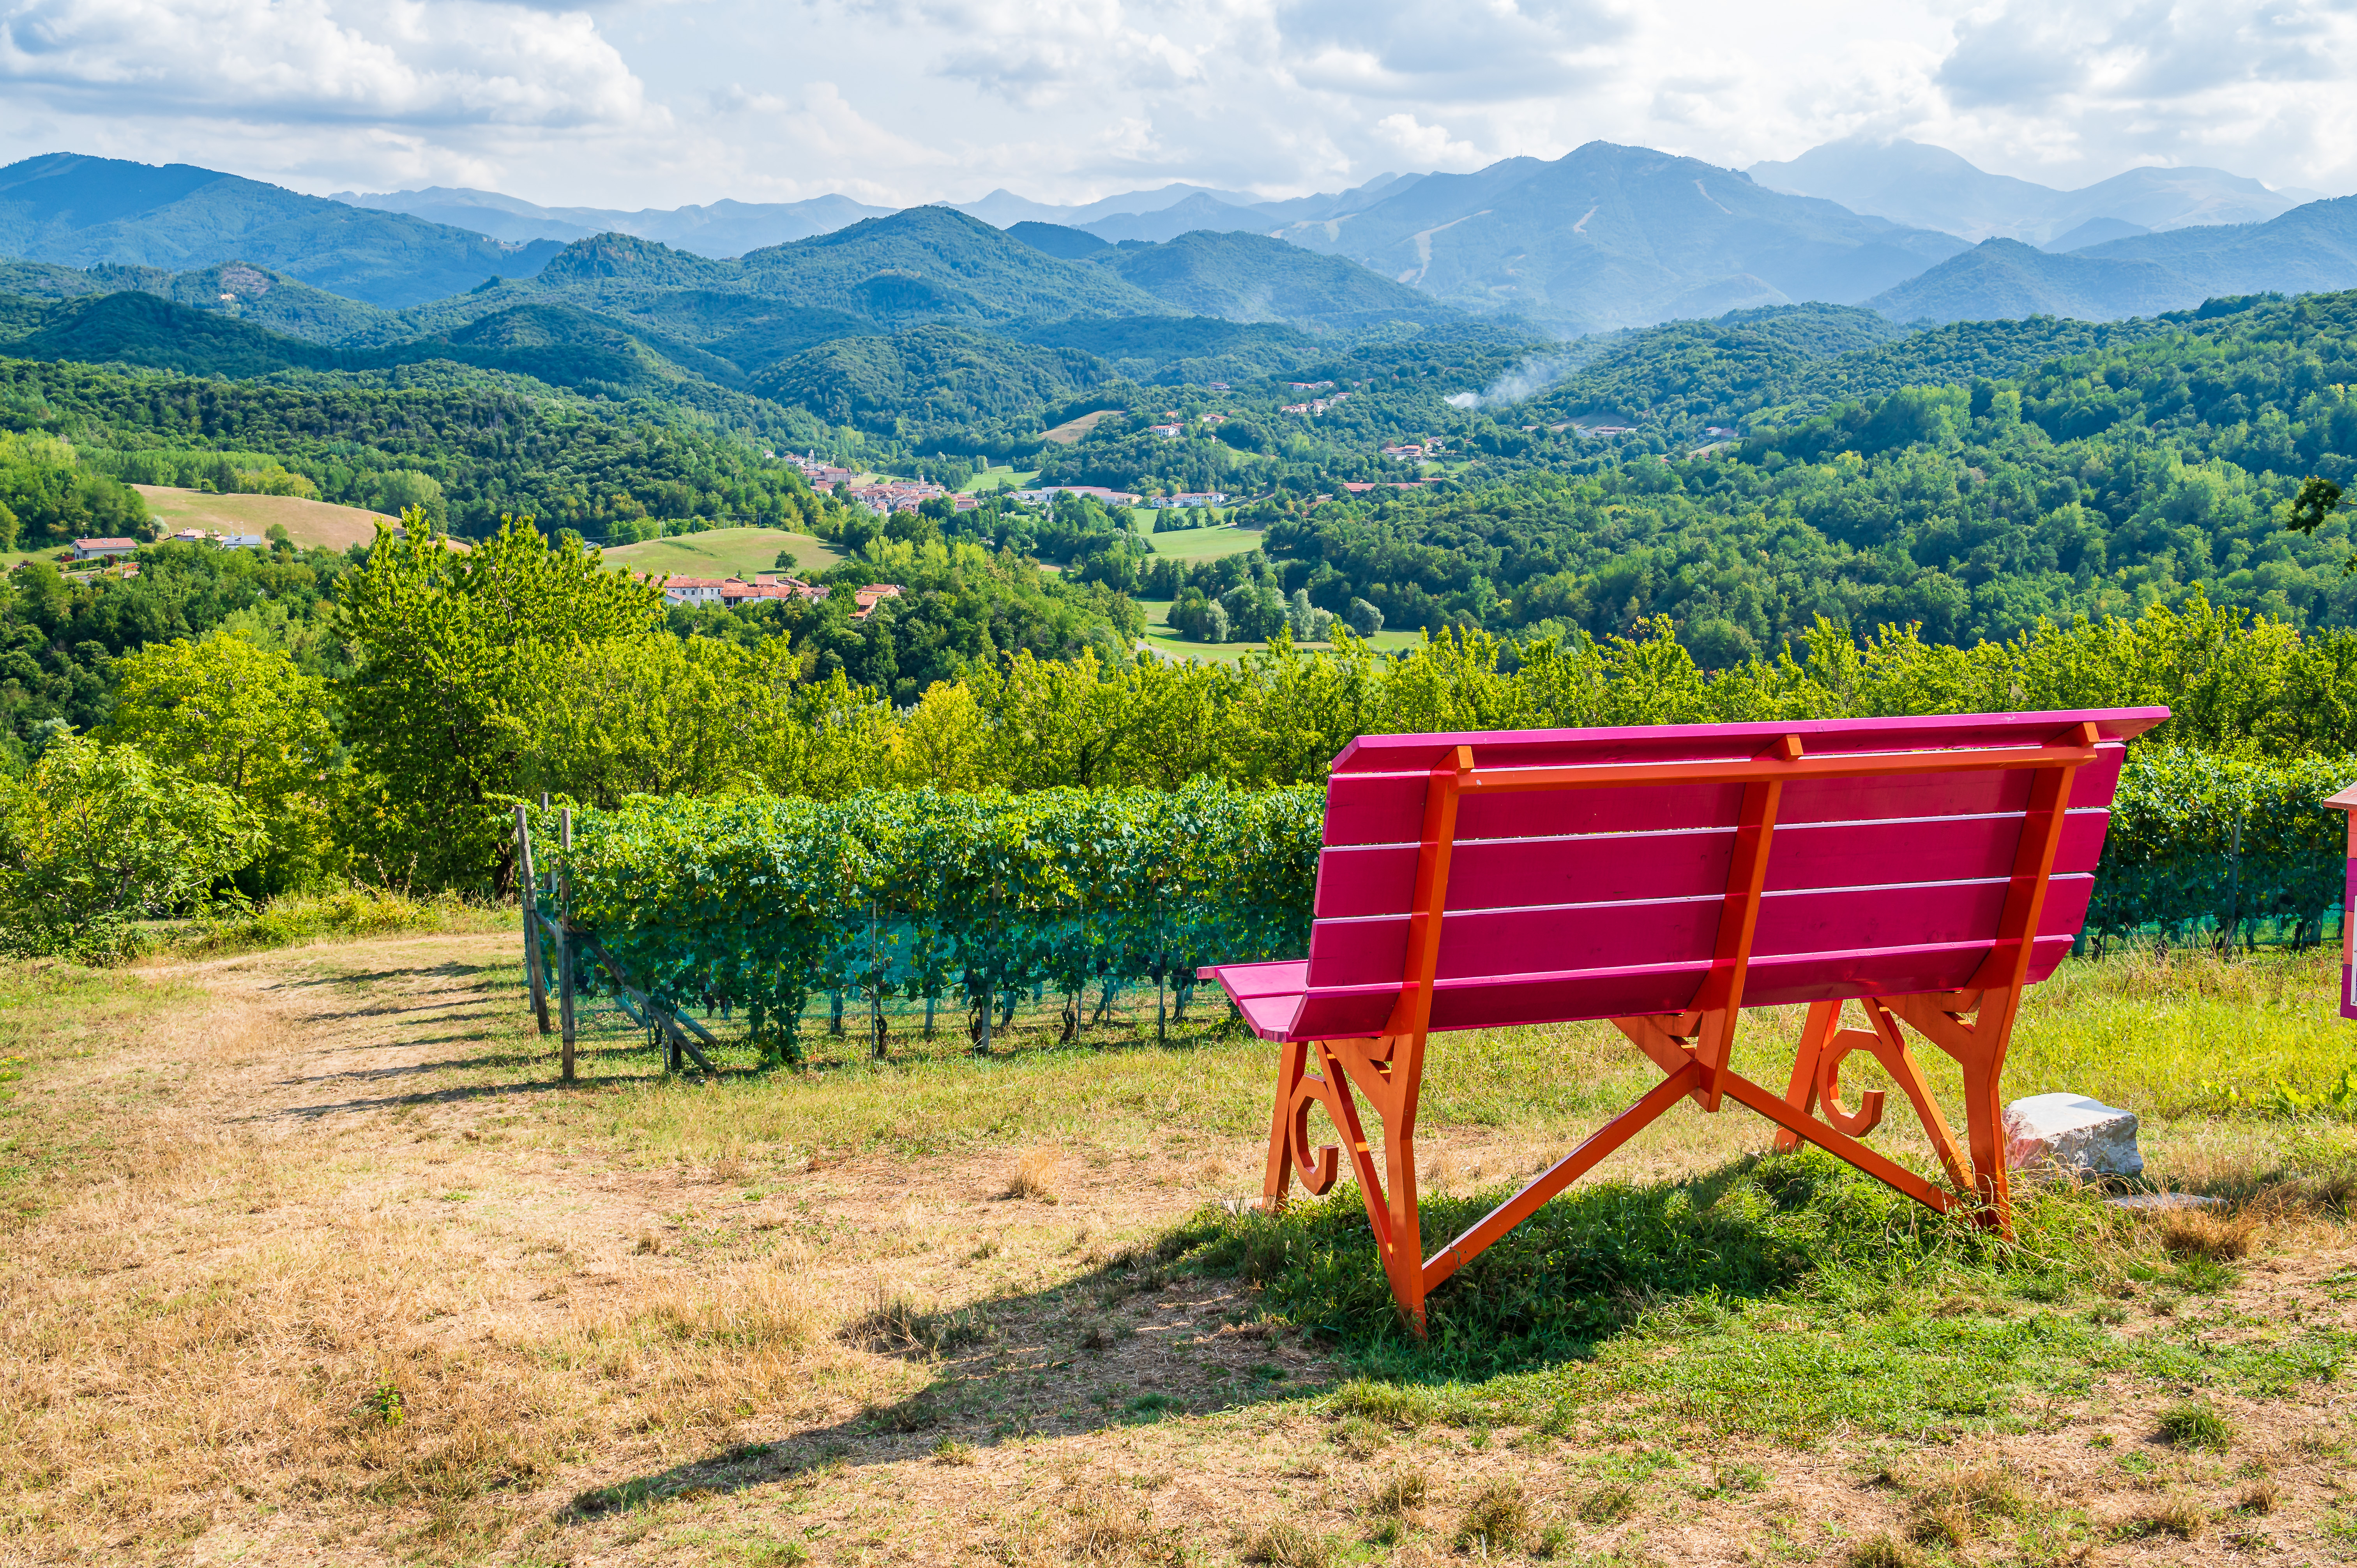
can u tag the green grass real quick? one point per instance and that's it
(992, 480)
(1162, 639)
(1202, 543)
(350, 913)
(725, 553)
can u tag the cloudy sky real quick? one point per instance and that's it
(658, 103)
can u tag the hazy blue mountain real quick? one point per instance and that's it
(1002, 208)
(723, 229)
(1198, 211)
(1072, 245)
(84, 211)
(1336, 204)
(1932, 187)
(2093, 231)
(1610, 236)
(2005, 279)
(2311, 248)
(1251, 277)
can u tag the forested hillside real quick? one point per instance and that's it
(2096, 484)
(574, 462)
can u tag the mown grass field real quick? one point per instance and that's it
(307, 522)
(1163, 639)
(725, 553)
(1201, 543)
(310, 1258)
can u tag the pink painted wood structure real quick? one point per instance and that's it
(1923, 871)
(2347, 801)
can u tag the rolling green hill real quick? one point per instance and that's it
(490, 444)
(934, 263)
(1251, 277)
(933, 384)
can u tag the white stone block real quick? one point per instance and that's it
(2056, 1134)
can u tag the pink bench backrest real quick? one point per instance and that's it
(1604, 902)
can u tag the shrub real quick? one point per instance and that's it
(2195, 1423)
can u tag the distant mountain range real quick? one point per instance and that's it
(917, 326)
(723, 229)
(2309, 248)
(1610, 236)
(1931, 188)
(82, 211)
(1606, 237)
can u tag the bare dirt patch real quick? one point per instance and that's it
(1071, 432)
(347, 1277)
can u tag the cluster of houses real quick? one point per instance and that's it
(736, 593)
(1098, 493)
(1413, 451)
(1173, 426)
(1316, 405)
(823, 475)
(109, 549)
(906, 495)
(1192, 497)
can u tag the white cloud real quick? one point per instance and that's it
(1426, 147)
(414, 63)
(631, 102)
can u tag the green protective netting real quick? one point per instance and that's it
(792, 910)
(913, 898)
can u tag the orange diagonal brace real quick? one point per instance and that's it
(1838, 1144)
(1561, 1174)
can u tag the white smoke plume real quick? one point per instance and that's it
(1526, 380)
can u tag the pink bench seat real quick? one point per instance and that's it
(1665, 878)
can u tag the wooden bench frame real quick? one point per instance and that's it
(1973, 1024)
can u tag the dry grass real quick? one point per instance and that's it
(1033, 1178)
(315, 1264)
(2191, 1232)
(1497, 1520)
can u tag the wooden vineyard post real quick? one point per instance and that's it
(2347, 801)
(565, 946)
(875, 981)
(528, 895)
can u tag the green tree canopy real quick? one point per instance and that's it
(449, 646)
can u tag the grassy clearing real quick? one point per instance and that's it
(340, 916)
(309, 1256)
(1204, 543)
(307, 522)
(725, 553)
(1163, 639)
(999, 479)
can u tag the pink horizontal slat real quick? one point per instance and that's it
(1509, 873)
(1877, 885)
(1494, 1003)
(1655, 743)
(1617, 936)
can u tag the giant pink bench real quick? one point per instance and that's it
(1925, 870)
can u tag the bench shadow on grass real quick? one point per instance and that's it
(1131, 1342)
(1180, 1330)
